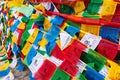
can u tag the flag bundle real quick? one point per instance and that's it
(60, 40)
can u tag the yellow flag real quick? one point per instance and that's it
(43, 42)
(94, 29)
(22, 26)
(114, 70)
(13, 3)
(64, 26)
(34, 16)
(14, 39)
(79, 7)
(33, 36)
(5, 66)
(26, 48)
(74, 78)
(108, 9)
(47, 25)
(3, 51)
(40, 7)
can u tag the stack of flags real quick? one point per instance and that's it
(60, 40)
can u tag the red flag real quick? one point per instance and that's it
(69, 68)
(108, 49)
(46, 71)
(56, 52)
(74, 51)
